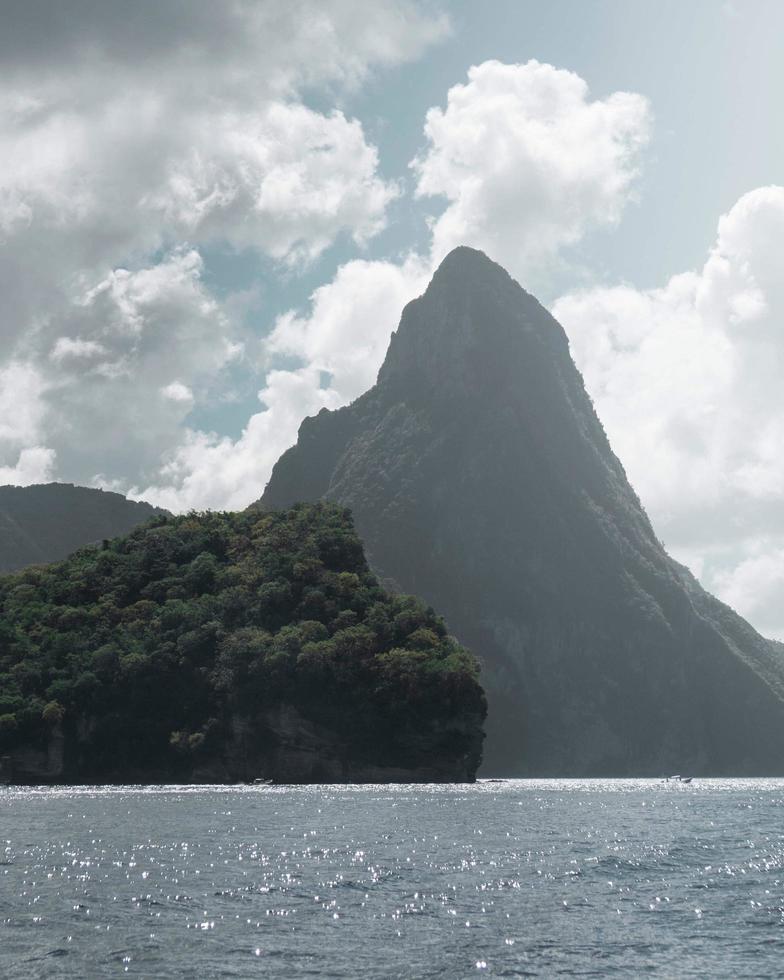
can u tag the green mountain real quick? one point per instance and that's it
(223, 647)
(46, 522)
(480, 478)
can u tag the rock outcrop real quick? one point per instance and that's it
(37, 763)
(480, 477)
(279, 744)
(283, 745)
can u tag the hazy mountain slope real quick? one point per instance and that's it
(46, 522)
(481, 479)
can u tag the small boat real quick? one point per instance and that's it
(263, 782)
(686, 779)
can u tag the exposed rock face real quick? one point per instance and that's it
(36, 764)
(286, 747)
(44, 523)
(480, 478)
(278, 744)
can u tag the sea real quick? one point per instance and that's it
(519, 878)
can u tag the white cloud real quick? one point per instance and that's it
(23, 460)
(346, 332)
(34, 465)
(284, 179)
(340, 345)
(115, 143)
(756, 585)
(687, 381)
(153, 335)
(177, 392)
(130, 139)
(21, 403)
(207, 470)
(88, 189)
(527, 162)
(76, 348)
(115, 388)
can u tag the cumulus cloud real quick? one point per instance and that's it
(339, 345)
(88, 183)
(346, 332)
(177, 392)
(23, 459)
(687, 380)
(130, 139)
(243, 46)
(146, 340)
(286, 180)
(95, 186)
(21, 403)
(207, 470)
(34, 465)
(756, 585)
(528, 162)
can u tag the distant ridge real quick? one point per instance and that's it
(481, 478)
(46, 522)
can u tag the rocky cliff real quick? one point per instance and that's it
(480, 477)
(278, 743)
(48, 521)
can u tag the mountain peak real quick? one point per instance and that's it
(466, 267)
(480, 478)
(472, 311)
(464, 256)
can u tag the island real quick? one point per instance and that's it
(223, 647)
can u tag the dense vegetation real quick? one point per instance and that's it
(143, 649)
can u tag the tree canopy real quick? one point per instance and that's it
(144, 648)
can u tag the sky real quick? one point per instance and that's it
(211, 216)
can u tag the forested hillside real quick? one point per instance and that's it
(229, 646)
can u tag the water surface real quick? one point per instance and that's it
(520, 878)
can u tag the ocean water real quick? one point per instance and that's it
(519, 878)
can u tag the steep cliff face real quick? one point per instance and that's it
(480, 477)
(281, 743)
(278, 743)
(46, 522)
(36, 763)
